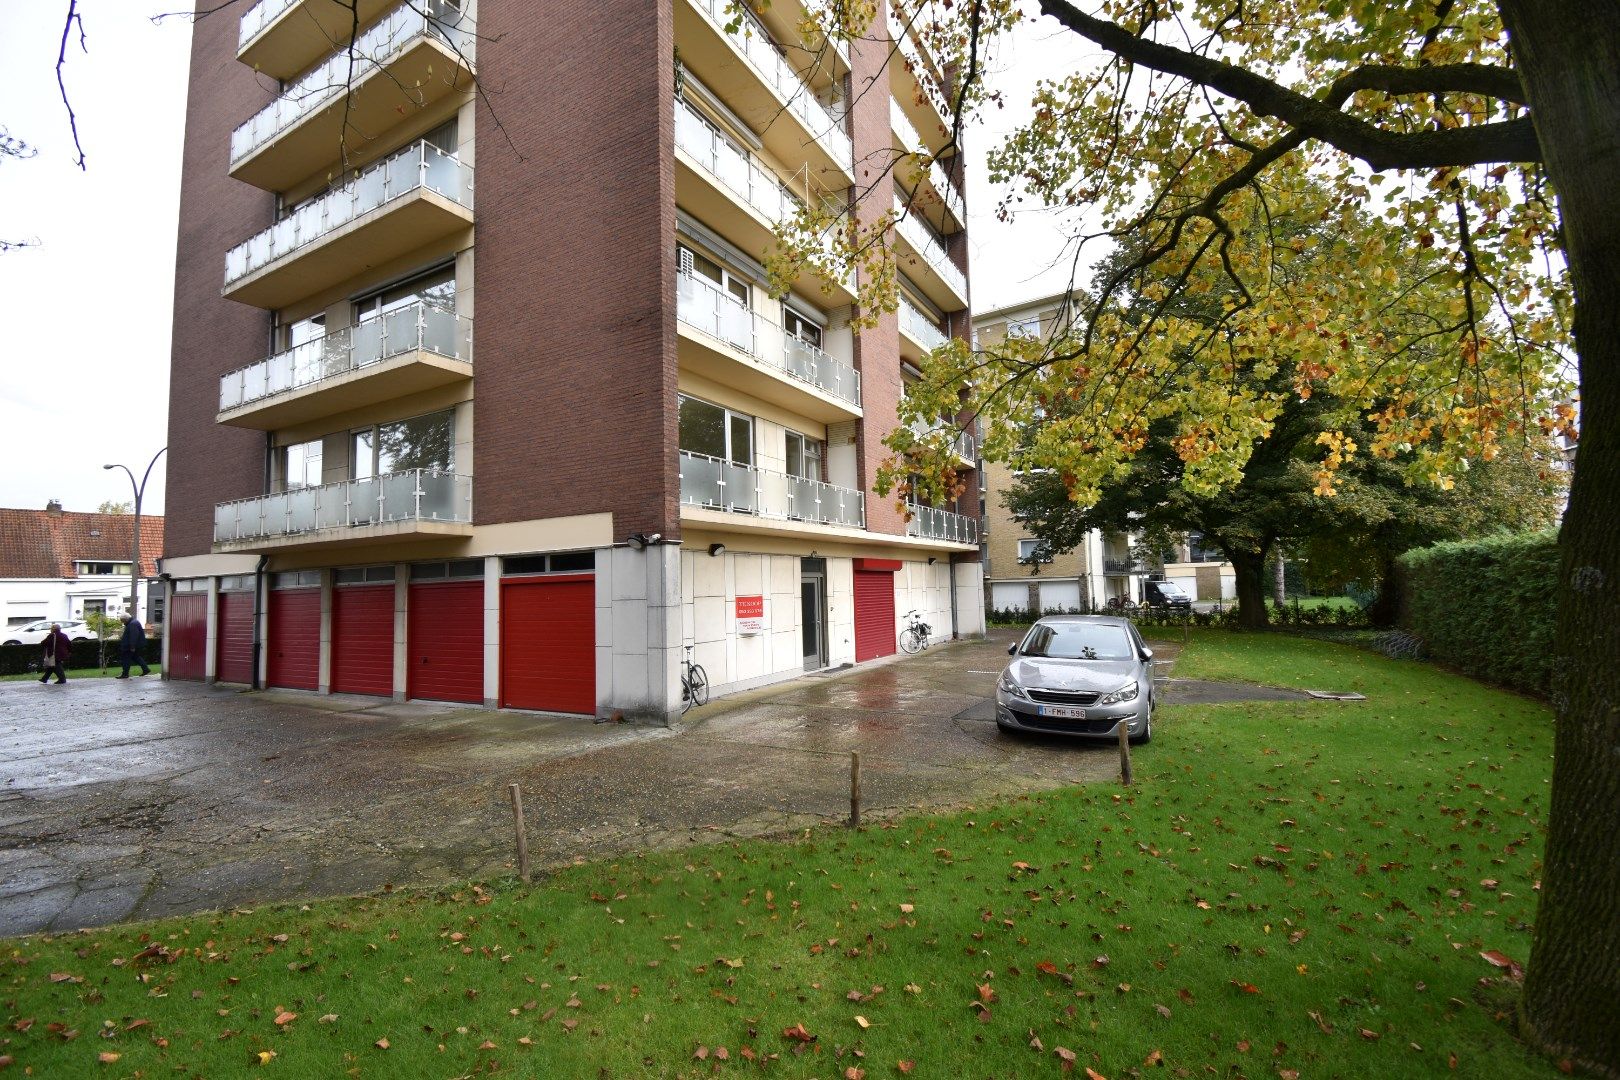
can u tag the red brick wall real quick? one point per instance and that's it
(575, 272)
(877, 351)
(208, 463)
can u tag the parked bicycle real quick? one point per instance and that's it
(914, 638)
(694, 683)
(1122, 604)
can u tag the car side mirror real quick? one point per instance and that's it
(1012, 650)
(1147, 654)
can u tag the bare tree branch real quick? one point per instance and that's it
(68, 24)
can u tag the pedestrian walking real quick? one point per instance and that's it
(55, 655)
(132, 646)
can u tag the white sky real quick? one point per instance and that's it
(97, 291)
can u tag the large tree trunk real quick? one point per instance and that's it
(1569, 54)
(1250, 567)
(1386, 606)
(1280, 586)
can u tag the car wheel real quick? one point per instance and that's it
(1006, 729)
(1147, 732)
(13, 641)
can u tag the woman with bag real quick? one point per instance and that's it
(56, 648)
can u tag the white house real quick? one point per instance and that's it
(59, 564)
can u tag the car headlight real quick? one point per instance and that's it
(1007, 686)
(1127, 692)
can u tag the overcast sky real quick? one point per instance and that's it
(95, 296)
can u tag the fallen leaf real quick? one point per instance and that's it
(721, 1054)
(381, 1044)
(1155, 1058)
(905, 1066)
(737, 963)
(1247, 988)
(797, 1032)
(487, 1045)
(853, 1073)
(1288, 1074)
(906, 909)
(265, 1056)
(107, 1057)
(1490, 956)
(1243, 1046)
(1368, 1034)
(1093, 1074)
(864, 1022)
(987, 994)
(1162, 1010)
(63, 976)
(1327, 1028)
(701, 1053)
(285, 1018)
(1066, 1056)
(329, 1018)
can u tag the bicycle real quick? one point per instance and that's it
(1122, 604)
(694, 683)
(914, 638)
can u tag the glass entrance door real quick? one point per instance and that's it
(813, 612)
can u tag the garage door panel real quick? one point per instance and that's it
(548, 645)
(874, 615)
(445, 641)
(294, 640)
(187, 629)
(363, 640)
(235, 629)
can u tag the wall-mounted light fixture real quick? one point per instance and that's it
(637, 541)
(932, 560)
(717, 550)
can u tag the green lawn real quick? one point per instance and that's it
(1333, 602)
(1292, 888)
(90, 673)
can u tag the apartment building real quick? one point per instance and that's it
(1107, 567)
(478, 391)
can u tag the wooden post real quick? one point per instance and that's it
(522, 833)
(1124, 753)
(854, 789)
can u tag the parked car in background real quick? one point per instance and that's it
(1165, 594)
(1078, 675)
(34, 633)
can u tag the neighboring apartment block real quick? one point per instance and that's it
(630, 448)
(63, 564)
(1105, 567)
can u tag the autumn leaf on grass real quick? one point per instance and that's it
(1093, 1074)
(1155, 1058)
(1327, 1028)
(987, 994)
(283, 1017)
(854, 1073)
(329, 1018)
(1066, 1056)
(1247, 988)
(905, 1066)
(1501, 960)
(798, 1033)
(863, 1022)
(265, 1056)
(907, 909)
(107, 1057)
(381, 1044)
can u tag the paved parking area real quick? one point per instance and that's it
(127, 800)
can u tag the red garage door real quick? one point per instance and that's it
(187, 629)
(295, 639)
(444, 654)
(363, 639)
(235, 630)
(874, 613)
(548, 643)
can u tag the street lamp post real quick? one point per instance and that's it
(135, 565)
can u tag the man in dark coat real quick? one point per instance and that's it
(132, 646)
(55, 655)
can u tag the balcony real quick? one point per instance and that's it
(415, 197)
(746, 71)
(937, 191)
(711, 483)
(918, 334)
(418, 55)
(422, 503)
(917, 85)
(283, 37)
(737, 346)
(963, 443)
(928, 523)
(934, 272)
(1121, 566)
(408, 350)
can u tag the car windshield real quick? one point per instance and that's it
(1170, 588)
(1079, 641)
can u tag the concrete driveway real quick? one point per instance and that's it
(128, 800)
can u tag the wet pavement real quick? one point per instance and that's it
(128, 800)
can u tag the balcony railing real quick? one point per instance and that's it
(928, 523)
(965, 443)
(717, 484)
(919, 326)
(1123, 567)
(737, 170)
(258, 17)
(915, 144)
(374, 49)
(718, 314)
(418, 327)
(413, 495)
(754, 43)
(926, 244)
(418, 166)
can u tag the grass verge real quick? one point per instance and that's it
(1293, 889)
(111, 672)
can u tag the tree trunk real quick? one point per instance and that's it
(1280, 587)
(1386, 607)
(1250, 567)
(1569, 54)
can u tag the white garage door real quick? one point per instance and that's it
(1009, 595)
(1060, 595)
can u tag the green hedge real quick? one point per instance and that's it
(1486, 606)
(16, 659)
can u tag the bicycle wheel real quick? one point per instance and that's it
(686, 695)
(700, 684)
(912, 641)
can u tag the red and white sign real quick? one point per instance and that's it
(750, 614)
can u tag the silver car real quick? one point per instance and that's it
(1078, 675)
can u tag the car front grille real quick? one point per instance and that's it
(1063, 697)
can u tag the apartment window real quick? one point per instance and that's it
(803, 456)
(560, 562)
(154, 606)
(692, 262)
(800, 327)
(716, 431)
(302, 332)
(102, 569)
(98, 607)
(362, 575)
(1198, 552)
(422, 442)
(436, 287)
(301, 465)
(1025, 328)
(1033, 551)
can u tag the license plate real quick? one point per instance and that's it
(1063, 712)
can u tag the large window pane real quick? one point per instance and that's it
(301, 465)
(362, 455)
(703, 428)
(423, 442)
(742, 439)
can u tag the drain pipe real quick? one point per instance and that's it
(955, 632)
(258, 599)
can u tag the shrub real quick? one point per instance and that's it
(17, 659)
(1486, 606)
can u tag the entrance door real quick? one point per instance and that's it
(188, 635)
(813, 612)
